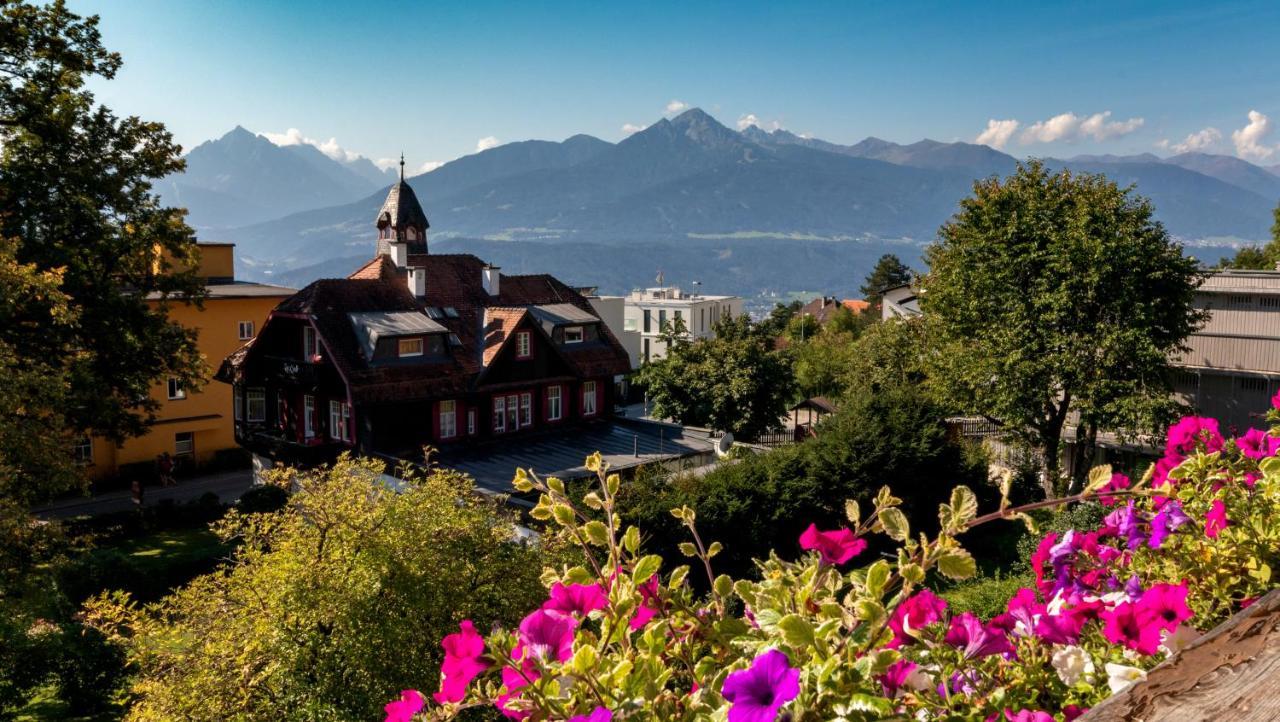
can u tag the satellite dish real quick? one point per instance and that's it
(723, 444)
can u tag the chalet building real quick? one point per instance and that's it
(415, 349)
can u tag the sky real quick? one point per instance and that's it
(438, 80)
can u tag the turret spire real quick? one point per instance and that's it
(401, 219)
(401, 166)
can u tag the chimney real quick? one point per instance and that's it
(418, 281)
(399, 253)
(490, 276)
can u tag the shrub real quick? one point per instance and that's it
(839, 634)
(262, 499)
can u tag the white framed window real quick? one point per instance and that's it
(471, 422)
(176, 391)
(573, 334)
(553, 403)
(499, 413)
(335, 420)
(513, 412)
(588, 398)
(526, 409)
(256, 404)
(184, 443)
(448, 419)
(245, 330)
(408, 347)
(83, 450)
(237, 395)
(346, 421)
(310, 344)
(309, 417)
(524, 345)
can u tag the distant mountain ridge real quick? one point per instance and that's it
(683, 179)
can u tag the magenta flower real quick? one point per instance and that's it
(895, 676)
(835, 547)
(1027, 715)
(1258, 444)
(548, 634)
(1060, 628)
(403, 709)
(1118, 482)
(1165, 605)
(648, 604)
(1072, 711)
(1025, 608)
(919, 610)
(968, 633)
(1216, 520)
(1126, 624)
(462, 663)
(599, 714)
(1165, 522)
(515, 680)
(1166, 464)
(1190, 431)
(1038, 559)
(579, 599)
(757, 693)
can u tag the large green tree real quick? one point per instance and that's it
(1056, 298)
(1260, 257)
(734, 381)
(889, 271)
(331, 605)
(75, 193)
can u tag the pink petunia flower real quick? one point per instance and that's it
(969, 634)
(1165, 605)
(403, 709)
(1216, 519)
(1258, 444)
(757, 693)
(1027, 715)
(834, 547)
(515, 680)
(1125, 624)
(548, 634)
(919, 610)
(579, 599)
(462, 663)
(1192, 431)
(895, 677)
(1118, 482)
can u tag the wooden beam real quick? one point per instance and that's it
(1231, 674)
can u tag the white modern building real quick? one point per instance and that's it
(612, 310)
(649, 310)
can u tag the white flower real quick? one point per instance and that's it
(1119, 676)
(1072, 663)
(1178, 640)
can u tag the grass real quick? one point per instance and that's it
(45, 705)
(162, 552)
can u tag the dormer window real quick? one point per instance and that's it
(524, 345)
(573, 334)
(310, 344)
(408, 347)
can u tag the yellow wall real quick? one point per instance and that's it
(217, 260)
(208, 412)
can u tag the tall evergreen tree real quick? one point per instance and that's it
(75, 194)
(890, 271)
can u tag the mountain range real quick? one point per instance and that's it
(688, 184)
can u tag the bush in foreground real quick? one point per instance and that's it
(829, 638)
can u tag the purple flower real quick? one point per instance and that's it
(1127, 524)
(757, 693)
(968, 633)
(548, 634)
(1165, 522)
(895, 676)
(1027, 715)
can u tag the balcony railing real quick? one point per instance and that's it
(290, 370)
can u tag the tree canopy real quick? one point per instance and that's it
(1260, 258)
(75, 194)
(734, 381)
(331, 605)
(889, 271)
(1053, 294)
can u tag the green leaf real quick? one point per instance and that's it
(585, 660)
(852, 512)
(877, 577)
(592, 500)
(895, 523)
(869, 610)
(723, 585)
(645, 568)
(688, 549)
(556, 485)
(631, 539)
(964, 504)
(1098, 478)
(957, 564)
(597, 533)
(796, 630)
(912, 572)
(563, 514)
(715, 548)
(678, 576)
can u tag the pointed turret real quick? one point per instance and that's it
(401, 219)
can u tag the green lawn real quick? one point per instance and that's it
(163, 552)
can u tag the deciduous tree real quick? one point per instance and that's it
(1056, 298)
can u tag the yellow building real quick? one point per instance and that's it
(193, 426)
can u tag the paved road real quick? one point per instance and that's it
(228, 485)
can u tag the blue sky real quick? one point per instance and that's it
(439, 79)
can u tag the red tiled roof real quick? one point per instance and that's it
(482, 323)
(856, 305)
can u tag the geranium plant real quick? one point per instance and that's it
(837, 635)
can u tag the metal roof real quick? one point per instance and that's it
(562, 314)
(373, 325)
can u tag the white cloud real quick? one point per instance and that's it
(751, 119)
(330, 147)
(428, 166)
(998, 132)
(1203, 139)
(394, 163)
(676, 106)
(629, 128)
(1069, 128)
(486, 143)
(1249, 139)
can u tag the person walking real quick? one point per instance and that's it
(136, 488)
(164, 464)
